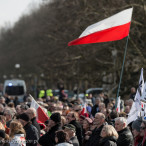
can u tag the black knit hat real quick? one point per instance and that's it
(24, 117)
(56, 117)
(2, 133)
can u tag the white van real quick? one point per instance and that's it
(15, 87)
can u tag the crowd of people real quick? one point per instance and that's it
(72, 122)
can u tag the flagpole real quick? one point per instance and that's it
(122, 70)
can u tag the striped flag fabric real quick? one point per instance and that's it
(41, 115)
(113, 28)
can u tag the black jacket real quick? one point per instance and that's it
(34, 123)
(78, 131)
(31, 135)
(108, 141)
(125, 138)
(95, 137)
(49, 138)
(94, 110)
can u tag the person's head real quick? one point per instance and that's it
(130, 102)
(70, 129)
(133, 90)
(55, 118)
(114, 114)
(71, 116)
(143, 128)
(18, 109)
(63, 120)
(11, 105)
(61, 136)
(24, 119)
(16, 128)
(78, 108)
(127, 109)
(110, 106)
(23, 108)
(8, 114)
(99, 119)
(109, 130)
(97, 101)
(136, 127)
(101, 106)
(120, 123)
(3, 119)
(86, 123)
(2, 100)
(31, 113)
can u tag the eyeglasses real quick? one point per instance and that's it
(142, 128)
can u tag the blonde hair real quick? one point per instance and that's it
(110, 131)
(16, 128)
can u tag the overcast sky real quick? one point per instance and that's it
(11, 10)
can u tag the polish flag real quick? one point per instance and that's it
(113, 28)
(118, 105)
(84, 110)
(41, 115)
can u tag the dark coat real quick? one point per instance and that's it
(31, 135)
(78, 131)
(34, 123)
(49, 138)
(108, 141)
(94, 110)
(95, 137)
(74, 141)
(125, 138)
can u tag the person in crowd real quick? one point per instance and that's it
(54, 125)
(8, 113)
(23, 108)
(133, 93)
(130, 102)
(95, 108)
(136, 132)
(109, 136)
(2, 101)
(32, 135)
(1, 109)
(125, 136)
(32, 116)
(127, 109)
(114, 114)
(94, 138)
(4, 138)
(72, 118)
(86, 125)
(71, 130)
(61, 138)
(143, 131)
(101, 106)
(106, 99)
(63, 121)
(17, 134)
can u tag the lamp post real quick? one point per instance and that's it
(17, 66)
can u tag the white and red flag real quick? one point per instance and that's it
(118, 105)
(113, 28)
(41, 115)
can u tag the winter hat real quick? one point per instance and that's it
(2, 133)
(56, 117)
(24, 117)
(136, 124)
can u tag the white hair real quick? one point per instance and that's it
(122, 120)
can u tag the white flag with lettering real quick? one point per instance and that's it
(136, 106)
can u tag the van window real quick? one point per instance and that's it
(14, 90)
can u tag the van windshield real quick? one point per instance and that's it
(14, 90)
